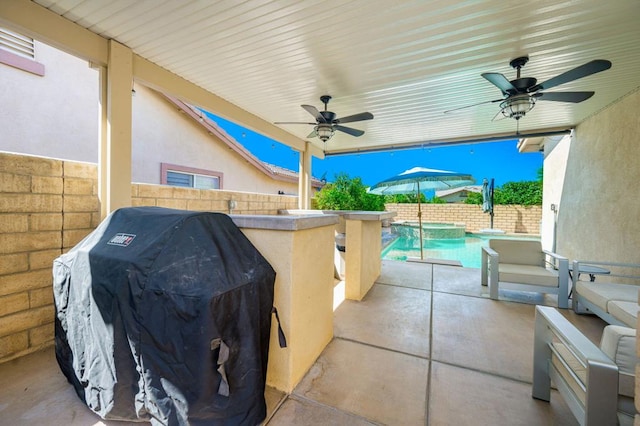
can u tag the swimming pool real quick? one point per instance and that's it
(467, 250)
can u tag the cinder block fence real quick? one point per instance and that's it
(46, 207)
(511, 219)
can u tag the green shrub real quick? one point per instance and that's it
(347, 193)
(525, 193)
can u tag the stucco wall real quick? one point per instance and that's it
(163, 134)
(555, 168)
(55, 115)
(599, 208)
(511, 219)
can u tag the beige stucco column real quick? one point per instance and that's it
(115, 142)
(300, 249)
(363, 263)
(360, 264)
(304, 179)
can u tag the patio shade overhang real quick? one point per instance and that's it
(256, 62)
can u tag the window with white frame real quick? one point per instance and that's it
(189, 177)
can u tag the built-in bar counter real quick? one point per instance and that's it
(301, 250)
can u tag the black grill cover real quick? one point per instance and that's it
(154, 308)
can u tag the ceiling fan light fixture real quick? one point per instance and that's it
(324, 131)
(517, 106)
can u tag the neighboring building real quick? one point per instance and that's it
(458, 195)
(37, 84)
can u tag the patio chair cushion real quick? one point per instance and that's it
(527, 274)
(576, 367)
(619, 344)
(625, 312)
(601, 293)
(519, 252)
(626, 406)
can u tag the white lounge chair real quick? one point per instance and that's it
(613, 297)
(597, 383)
(523, 265)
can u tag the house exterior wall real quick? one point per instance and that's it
(456, 197)
(56, 116)
(555, 168)
(511, 219)
(598, 216)
(162, 134)
(46, 207)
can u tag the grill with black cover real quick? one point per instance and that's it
(164, 316)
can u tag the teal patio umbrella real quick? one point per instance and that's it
(419, 178)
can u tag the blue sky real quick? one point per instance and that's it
(498, 160)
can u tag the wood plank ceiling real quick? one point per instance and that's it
(404, 61)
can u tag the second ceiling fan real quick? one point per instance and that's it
(327, 122)
(521, 94)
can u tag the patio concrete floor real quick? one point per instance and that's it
(426, 346)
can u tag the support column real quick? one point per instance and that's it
(116, 165)
(304, 178)
(102, 142)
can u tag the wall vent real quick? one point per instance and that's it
(17, 43)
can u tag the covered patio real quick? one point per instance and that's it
(425, 346)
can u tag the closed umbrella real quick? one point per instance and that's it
(487, 198)
(412, 180)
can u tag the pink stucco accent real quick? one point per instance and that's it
(22, 63)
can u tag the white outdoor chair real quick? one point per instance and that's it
(597, 383)
(523, 265)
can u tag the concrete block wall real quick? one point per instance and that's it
(206, 200)
(509, 218)
(46, 207)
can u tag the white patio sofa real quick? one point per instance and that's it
(597, 383)
(524, 265)
(614, 297)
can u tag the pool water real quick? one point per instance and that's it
(467, 250)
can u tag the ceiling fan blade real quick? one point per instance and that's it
(313, 134)
(293, 122)
(314, 111)
(499, 116)
(574, 97)
(501, 82)
(349, 130)
(469, 106)
(356, 117)
(585, 70)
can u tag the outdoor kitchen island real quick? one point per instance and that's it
(301, 249)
